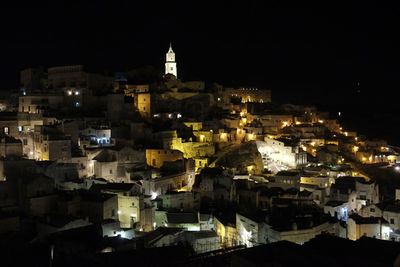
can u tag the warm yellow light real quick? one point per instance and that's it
(251, 136)
(285, 123)
(364, 159)
(241, 114)
(202, 138)
(355, 148)
(313, 143)
(297, 122)
(250, 168)
(304, 148)
(321, 121)
(181, 190)
(345, 133)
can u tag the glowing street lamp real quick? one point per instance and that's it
(250, 168)
(202, 138)
(251, 136)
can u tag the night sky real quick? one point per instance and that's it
(317, 55)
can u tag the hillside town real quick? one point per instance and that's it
(100, 168)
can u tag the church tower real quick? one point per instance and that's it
(170, 64)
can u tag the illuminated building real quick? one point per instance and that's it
(143, 104)
(358, 227)
(170, 64)
(250, 94)
(157, 157)
(129, 201)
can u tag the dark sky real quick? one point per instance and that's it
(313, 53)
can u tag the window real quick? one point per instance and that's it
(372, 210)
(6, 130)
(154, 162)
(25, 142)
(113, 214)
(110, 171)
(391, 221)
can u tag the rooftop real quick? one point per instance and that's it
(96, 197)
(117, 187)
(183, 217)
(367, 220)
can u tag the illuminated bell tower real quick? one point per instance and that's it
(170, 64)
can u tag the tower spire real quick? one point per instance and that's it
(170, 64)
